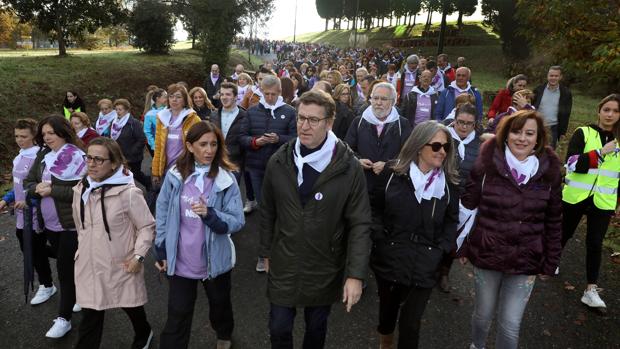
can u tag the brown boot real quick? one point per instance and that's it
(222, 344)
(386, 341)
(444, 284)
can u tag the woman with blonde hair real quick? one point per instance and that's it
(201, 103)
(244, 81)
(81, 125)
(416, 227)
(344, 110)
(106, 115)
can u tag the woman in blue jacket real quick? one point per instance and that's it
(198, 209)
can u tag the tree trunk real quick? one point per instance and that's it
(62, 49)
(391, 18)
(326, 24)
(459, 22)
(414, 18)
(442, 32)
(382, 22)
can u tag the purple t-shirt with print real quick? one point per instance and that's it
(20, 171)
(191, 261)
(174, 144)
(423, 109)
(48, 208)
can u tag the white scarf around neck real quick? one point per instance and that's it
(369, 116)
(460, 90)
(429, 92)
(317, 160)
(29, 153)
(119, 177)
(272, 108)
(521, 171)
(462, 142)
(66, 164)
(429, 185)
(165, 116)
(256, 90)
(199, 172)
(117, 126)
(103, 122)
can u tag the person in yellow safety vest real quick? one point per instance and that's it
(72, 103)
(591, 188)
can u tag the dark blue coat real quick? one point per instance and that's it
(446, 103)
(258, 122)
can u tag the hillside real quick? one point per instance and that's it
(34, 82)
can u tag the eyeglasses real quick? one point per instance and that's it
(382, 99)
(465, 123)
(436, 146)
(176, 95)
(312, 121)
(96, 159)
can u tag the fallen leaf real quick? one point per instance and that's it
(547, 333)
(568, 286)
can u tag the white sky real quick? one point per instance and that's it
(282, 20)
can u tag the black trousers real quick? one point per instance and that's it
(40, 262)
(136, 169)
(64, 245)
(411, 302)
(282, 320)
(181, 299)
(91, 326)
(597, 224)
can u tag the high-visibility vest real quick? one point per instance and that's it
(68, 112)
(602, 182)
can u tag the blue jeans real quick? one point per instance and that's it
(282, 319)
(509, 294)
(256, 179)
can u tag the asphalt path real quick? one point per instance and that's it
(554, 318)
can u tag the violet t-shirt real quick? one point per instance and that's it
(191, 261)
(423, 109)
(20, 171)
(174, 144)
(48, 208)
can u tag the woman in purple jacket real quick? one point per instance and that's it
(515, 186)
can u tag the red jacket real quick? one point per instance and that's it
(502, 101)
(89, 136)
(518, 228)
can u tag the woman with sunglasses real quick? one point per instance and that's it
(467, 142)
(115, 231)
(515, 185)
(419, 217)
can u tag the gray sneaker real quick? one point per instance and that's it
(260, 265)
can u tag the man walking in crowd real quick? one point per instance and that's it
(459, 86)
(314, 229)
(446, 68)
(212, 85)
(268, 125)
(409, 76)
(238, 70)
(555, 102)
(378, 135)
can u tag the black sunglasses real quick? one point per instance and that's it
(436, 146)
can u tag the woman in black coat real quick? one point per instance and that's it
(418, 225)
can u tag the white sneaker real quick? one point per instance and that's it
(557, 271)
(43, 294)
(77, 308)
(249, 206)
(592, 299)
(260, 265)
(60, 328)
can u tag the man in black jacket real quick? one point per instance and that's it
(314, 230)
(212, 85)
(555, 102)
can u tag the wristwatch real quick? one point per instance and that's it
(139, 258)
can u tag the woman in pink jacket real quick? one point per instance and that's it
(115, 231)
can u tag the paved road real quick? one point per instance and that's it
(554, 317)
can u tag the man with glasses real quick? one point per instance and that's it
(268, 125)
(378, 135)
(314, 230)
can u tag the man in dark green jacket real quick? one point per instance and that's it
(315, 224)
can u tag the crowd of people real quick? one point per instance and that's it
(356, 159)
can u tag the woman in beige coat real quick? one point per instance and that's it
(115, 231)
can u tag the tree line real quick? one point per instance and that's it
(146, 24)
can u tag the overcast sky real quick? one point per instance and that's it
(282, 22)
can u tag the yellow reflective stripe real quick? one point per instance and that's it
(589, 187)
(606, 173)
